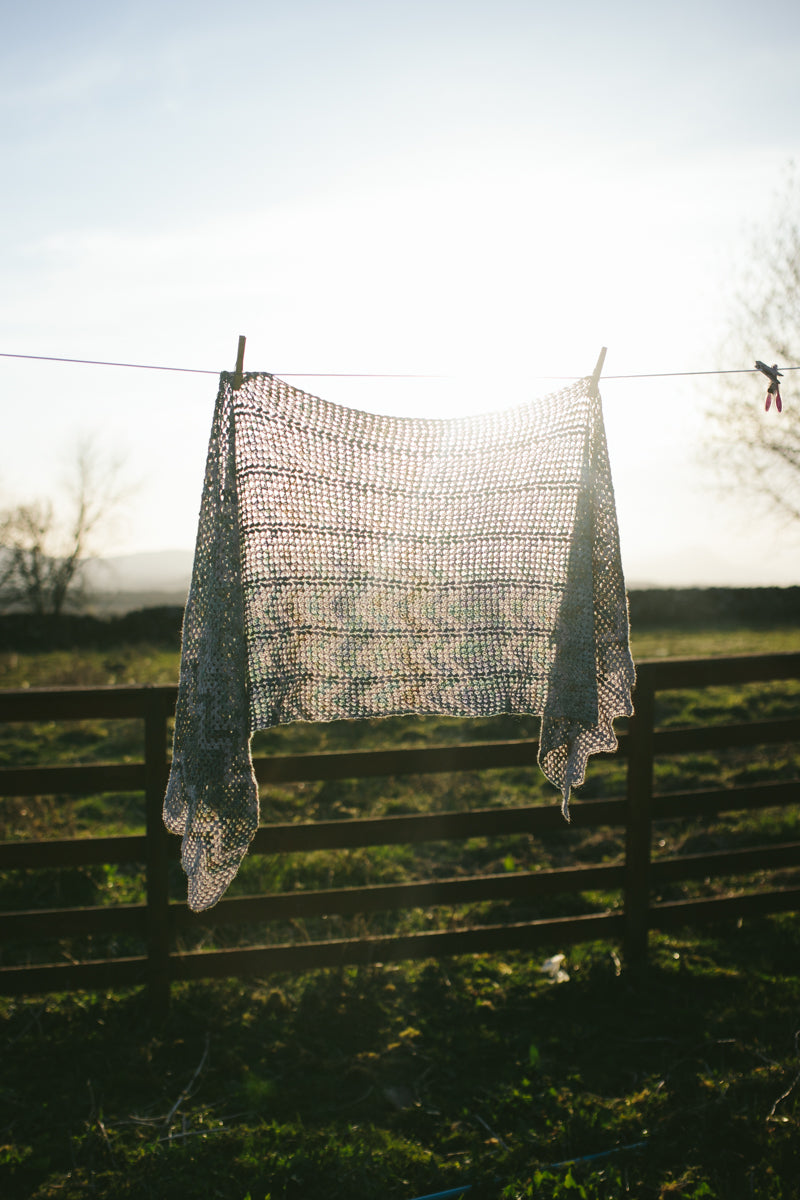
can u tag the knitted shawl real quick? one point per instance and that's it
(359, 566)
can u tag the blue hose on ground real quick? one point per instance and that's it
(452, 1193)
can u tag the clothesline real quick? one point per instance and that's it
(92, 362)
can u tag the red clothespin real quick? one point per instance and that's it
(773, 375)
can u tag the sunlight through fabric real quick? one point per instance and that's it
(354, 565)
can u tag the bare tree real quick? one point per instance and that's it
(753, 451)
(44, 547)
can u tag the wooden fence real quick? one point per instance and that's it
(159, 922)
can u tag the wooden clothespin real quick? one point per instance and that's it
(237, 378)
(598, 368)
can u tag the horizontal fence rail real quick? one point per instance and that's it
(160, 923)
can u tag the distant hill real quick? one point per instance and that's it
(127, 581)
(132, 581)
(161, 578)
(699, 567)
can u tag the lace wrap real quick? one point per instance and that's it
(350, 565)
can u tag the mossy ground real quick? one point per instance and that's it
(398, 1082)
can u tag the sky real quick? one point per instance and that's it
(484, 192)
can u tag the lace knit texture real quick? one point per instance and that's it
(353, 565)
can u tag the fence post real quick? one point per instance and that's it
(638, 822)
(158, 930)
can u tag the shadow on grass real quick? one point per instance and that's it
(401, 1081)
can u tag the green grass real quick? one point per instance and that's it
(140, 663)
(400, 1081)
(722, 638)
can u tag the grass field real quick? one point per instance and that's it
(403, 1081)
